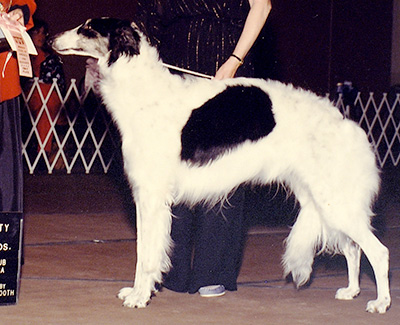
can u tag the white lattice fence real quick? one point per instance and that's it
(83, 138)
(79, 131)
(380, 118)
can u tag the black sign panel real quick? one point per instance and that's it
(10, 256)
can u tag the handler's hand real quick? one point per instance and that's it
(228, 69)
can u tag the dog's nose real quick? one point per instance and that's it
(52, 42)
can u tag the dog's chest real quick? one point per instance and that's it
(237, 114)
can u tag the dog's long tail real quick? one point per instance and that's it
(302, 243)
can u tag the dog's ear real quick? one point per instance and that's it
(124, 40)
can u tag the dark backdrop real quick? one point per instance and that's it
(310, 43)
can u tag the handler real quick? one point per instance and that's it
(212, 37)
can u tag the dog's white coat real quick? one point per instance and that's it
(324, 159)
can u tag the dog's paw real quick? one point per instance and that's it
(347, 293)
(124, 292)
(378, 306)
(132, 298)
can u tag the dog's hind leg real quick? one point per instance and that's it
(352, 252)
(302, 242)
(378, 256)
(153, 244)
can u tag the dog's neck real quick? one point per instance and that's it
(142, 71)
(150, 84)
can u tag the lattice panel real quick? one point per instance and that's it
(380, 118)
(84, 139)
(81, 134)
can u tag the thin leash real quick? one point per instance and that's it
(197, 74)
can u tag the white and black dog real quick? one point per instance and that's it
(195, 140)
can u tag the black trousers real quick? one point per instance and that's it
(208, 246)
(11, 170)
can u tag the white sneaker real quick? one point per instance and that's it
(212, 291)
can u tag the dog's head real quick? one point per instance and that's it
(99, 38)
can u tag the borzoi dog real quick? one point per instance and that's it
(188, 139)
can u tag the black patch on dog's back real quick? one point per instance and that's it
(237, 114)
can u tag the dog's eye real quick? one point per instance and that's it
(86, 27)
(87, 31)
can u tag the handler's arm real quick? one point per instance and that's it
(258, 14)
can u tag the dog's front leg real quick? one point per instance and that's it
(153, 221)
